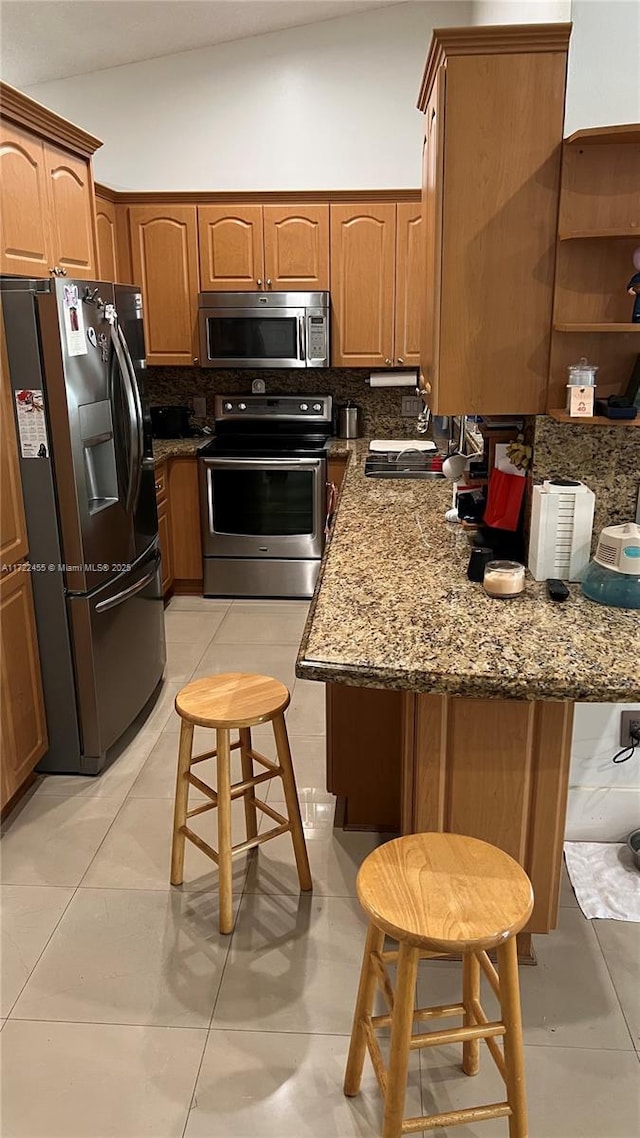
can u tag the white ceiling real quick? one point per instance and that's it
(43, 40)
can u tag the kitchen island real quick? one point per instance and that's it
(448, 710)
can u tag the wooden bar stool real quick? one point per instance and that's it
(234, 701)
(438, 894)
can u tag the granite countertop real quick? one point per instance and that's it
(393, 609)
(177, 448)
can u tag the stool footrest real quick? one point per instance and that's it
(457, 1117)
(252, 843)
(211, 754)
(200, 843)
(264, 761)
(273, 814)
(456, 1035)
(422, 1014)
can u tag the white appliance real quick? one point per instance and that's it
(561, 528)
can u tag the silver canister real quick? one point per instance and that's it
(349, 421)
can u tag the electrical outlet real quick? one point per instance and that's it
(410, 406)
(199, 403)
(629, 721)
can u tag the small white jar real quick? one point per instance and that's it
(503, 579)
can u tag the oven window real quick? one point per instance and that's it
(253, 337)
(259, 503)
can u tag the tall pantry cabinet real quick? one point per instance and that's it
(493, 100)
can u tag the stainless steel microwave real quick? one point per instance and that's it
(264, 329)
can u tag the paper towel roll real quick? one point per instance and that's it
(393, 379)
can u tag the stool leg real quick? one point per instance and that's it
(181, 802)
(225, 868)
(364, 1007)
(513, 1049)
(250, 812)
(401, 1025)
(293, 806)
(470, 991)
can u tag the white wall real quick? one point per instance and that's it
(604, 64)
(520, 11)
(331, 105)
(604, 799)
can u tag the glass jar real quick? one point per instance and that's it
(503, 579)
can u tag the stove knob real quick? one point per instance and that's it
(304, 406)
(317, 406)
(228, 406)
(242, 406)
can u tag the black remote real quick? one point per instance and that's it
(557, 590)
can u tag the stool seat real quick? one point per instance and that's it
(445, 892)
(232, 700)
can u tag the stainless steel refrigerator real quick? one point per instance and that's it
(76, 361)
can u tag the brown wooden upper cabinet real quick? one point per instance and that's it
(107, 239)
(164, 254)
(270, 247)
(410, 251)
(47, 207)
(491, 182)
(377, 274)
(363, 244)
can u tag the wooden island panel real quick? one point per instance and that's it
(493, 769)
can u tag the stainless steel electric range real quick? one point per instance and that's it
(263, 495)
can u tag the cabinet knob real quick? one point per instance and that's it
(400, 360)
(268, 281)
(196, 360)
(389, 363)
(158, 485)
(63, 272)
(53, 271)
(259, 281)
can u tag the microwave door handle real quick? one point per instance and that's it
(302, 346)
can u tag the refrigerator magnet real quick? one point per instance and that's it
(32, 427)
(74, 321)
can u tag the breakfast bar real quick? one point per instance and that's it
(448, 710)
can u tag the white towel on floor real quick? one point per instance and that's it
(605, 879)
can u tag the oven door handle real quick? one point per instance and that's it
(257, 463)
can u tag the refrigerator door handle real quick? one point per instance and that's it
(126, 594)
(134, 408)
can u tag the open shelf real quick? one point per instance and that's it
(592, 420)
(596, 327)
(605, 135)
(588, 234)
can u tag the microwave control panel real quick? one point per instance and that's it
(317, 338)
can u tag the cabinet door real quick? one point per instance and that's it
(296, 247)
(432, 180)
(13, 529)
(410, 270)
(363, 240)
(164, 253)
(184, 497)
(107, 240)
(231, 247)
(25, 248)
(72, 209)
(164, 534)
(23, 732)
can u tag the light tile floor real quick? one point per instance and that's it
(123, 1013)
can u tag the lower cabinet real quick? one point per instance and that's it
(164, 528)
(495, 769)
(186, 542)
(23, 731)
(178, 498)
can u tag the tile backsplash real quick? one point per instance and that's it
(380, 406)
(607, 459)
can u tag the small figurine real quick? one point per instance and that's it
(633, 287)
